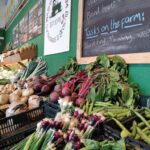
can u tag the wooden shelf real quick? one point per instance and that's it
(16, 58)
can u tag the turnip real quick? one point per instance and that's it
(66, 91)
(54, 96)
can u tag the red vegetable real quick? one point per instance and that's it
(66, 91)
(45, 89)
(51, 84)
(54, 96)
(57, 88)
(74, 96)
(80, 102)
(77, 145)
(37, 87)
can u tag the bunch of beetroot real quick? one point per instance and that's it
(75, 89)
(43, 86)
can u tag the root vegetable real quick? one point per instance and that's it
(4, 99)
(54, 96)
(18, 92)
(66, 91)
(13, 97)
(37, 87)
(24, 99)
(58, 88)
(27, 92)
(80, 101)
(34, 101)
(45, 89)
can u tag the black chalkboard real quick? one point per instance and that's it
(116, 27)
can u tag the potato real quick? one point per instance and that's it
(13, 97)
(18, 92)
(4, 99)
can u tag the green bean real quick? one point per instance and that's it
(143, 136)
(142, 118)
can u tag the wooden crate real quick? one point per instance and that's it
(27, 54)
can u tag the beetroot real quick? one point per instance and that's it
(74, 96)
(54, 96)
(66, 91)
(51, 84)
(80, 101)
(57, 88)
(41, 81)
(45, 89)
(37, 87)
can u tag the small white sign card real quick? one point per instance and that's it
(57, 26)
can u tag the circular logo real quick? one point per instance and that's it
(56, 16)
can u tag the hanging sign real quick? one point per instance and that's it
(57, 26)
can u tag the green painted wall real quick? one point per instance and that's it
(137, 73)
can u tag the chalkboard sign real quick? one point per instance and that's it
(114, 27)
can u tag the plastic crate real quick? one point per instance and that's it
(2, 114)
(17, 127)
(112, 129)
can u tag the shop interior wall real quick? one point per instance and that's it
(137, 73)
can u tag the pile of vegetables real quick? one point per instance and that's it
(56, 133)
(7, 76)
(108, 109)
(35, 67)
(105, 80)
(100, 89)
(104, 145)
(138, 127)
(16, 100)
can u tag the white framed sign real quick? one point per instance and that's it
(57, 26)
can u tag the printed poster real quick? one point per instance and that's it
(23, 29)
(57, 26)
(35, 20)
(16, 36)
(10, 8)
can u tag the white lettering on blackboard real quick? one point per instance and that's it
(114, 26)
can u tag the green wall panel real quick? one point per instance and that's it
(137, 73)
(141, 74)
